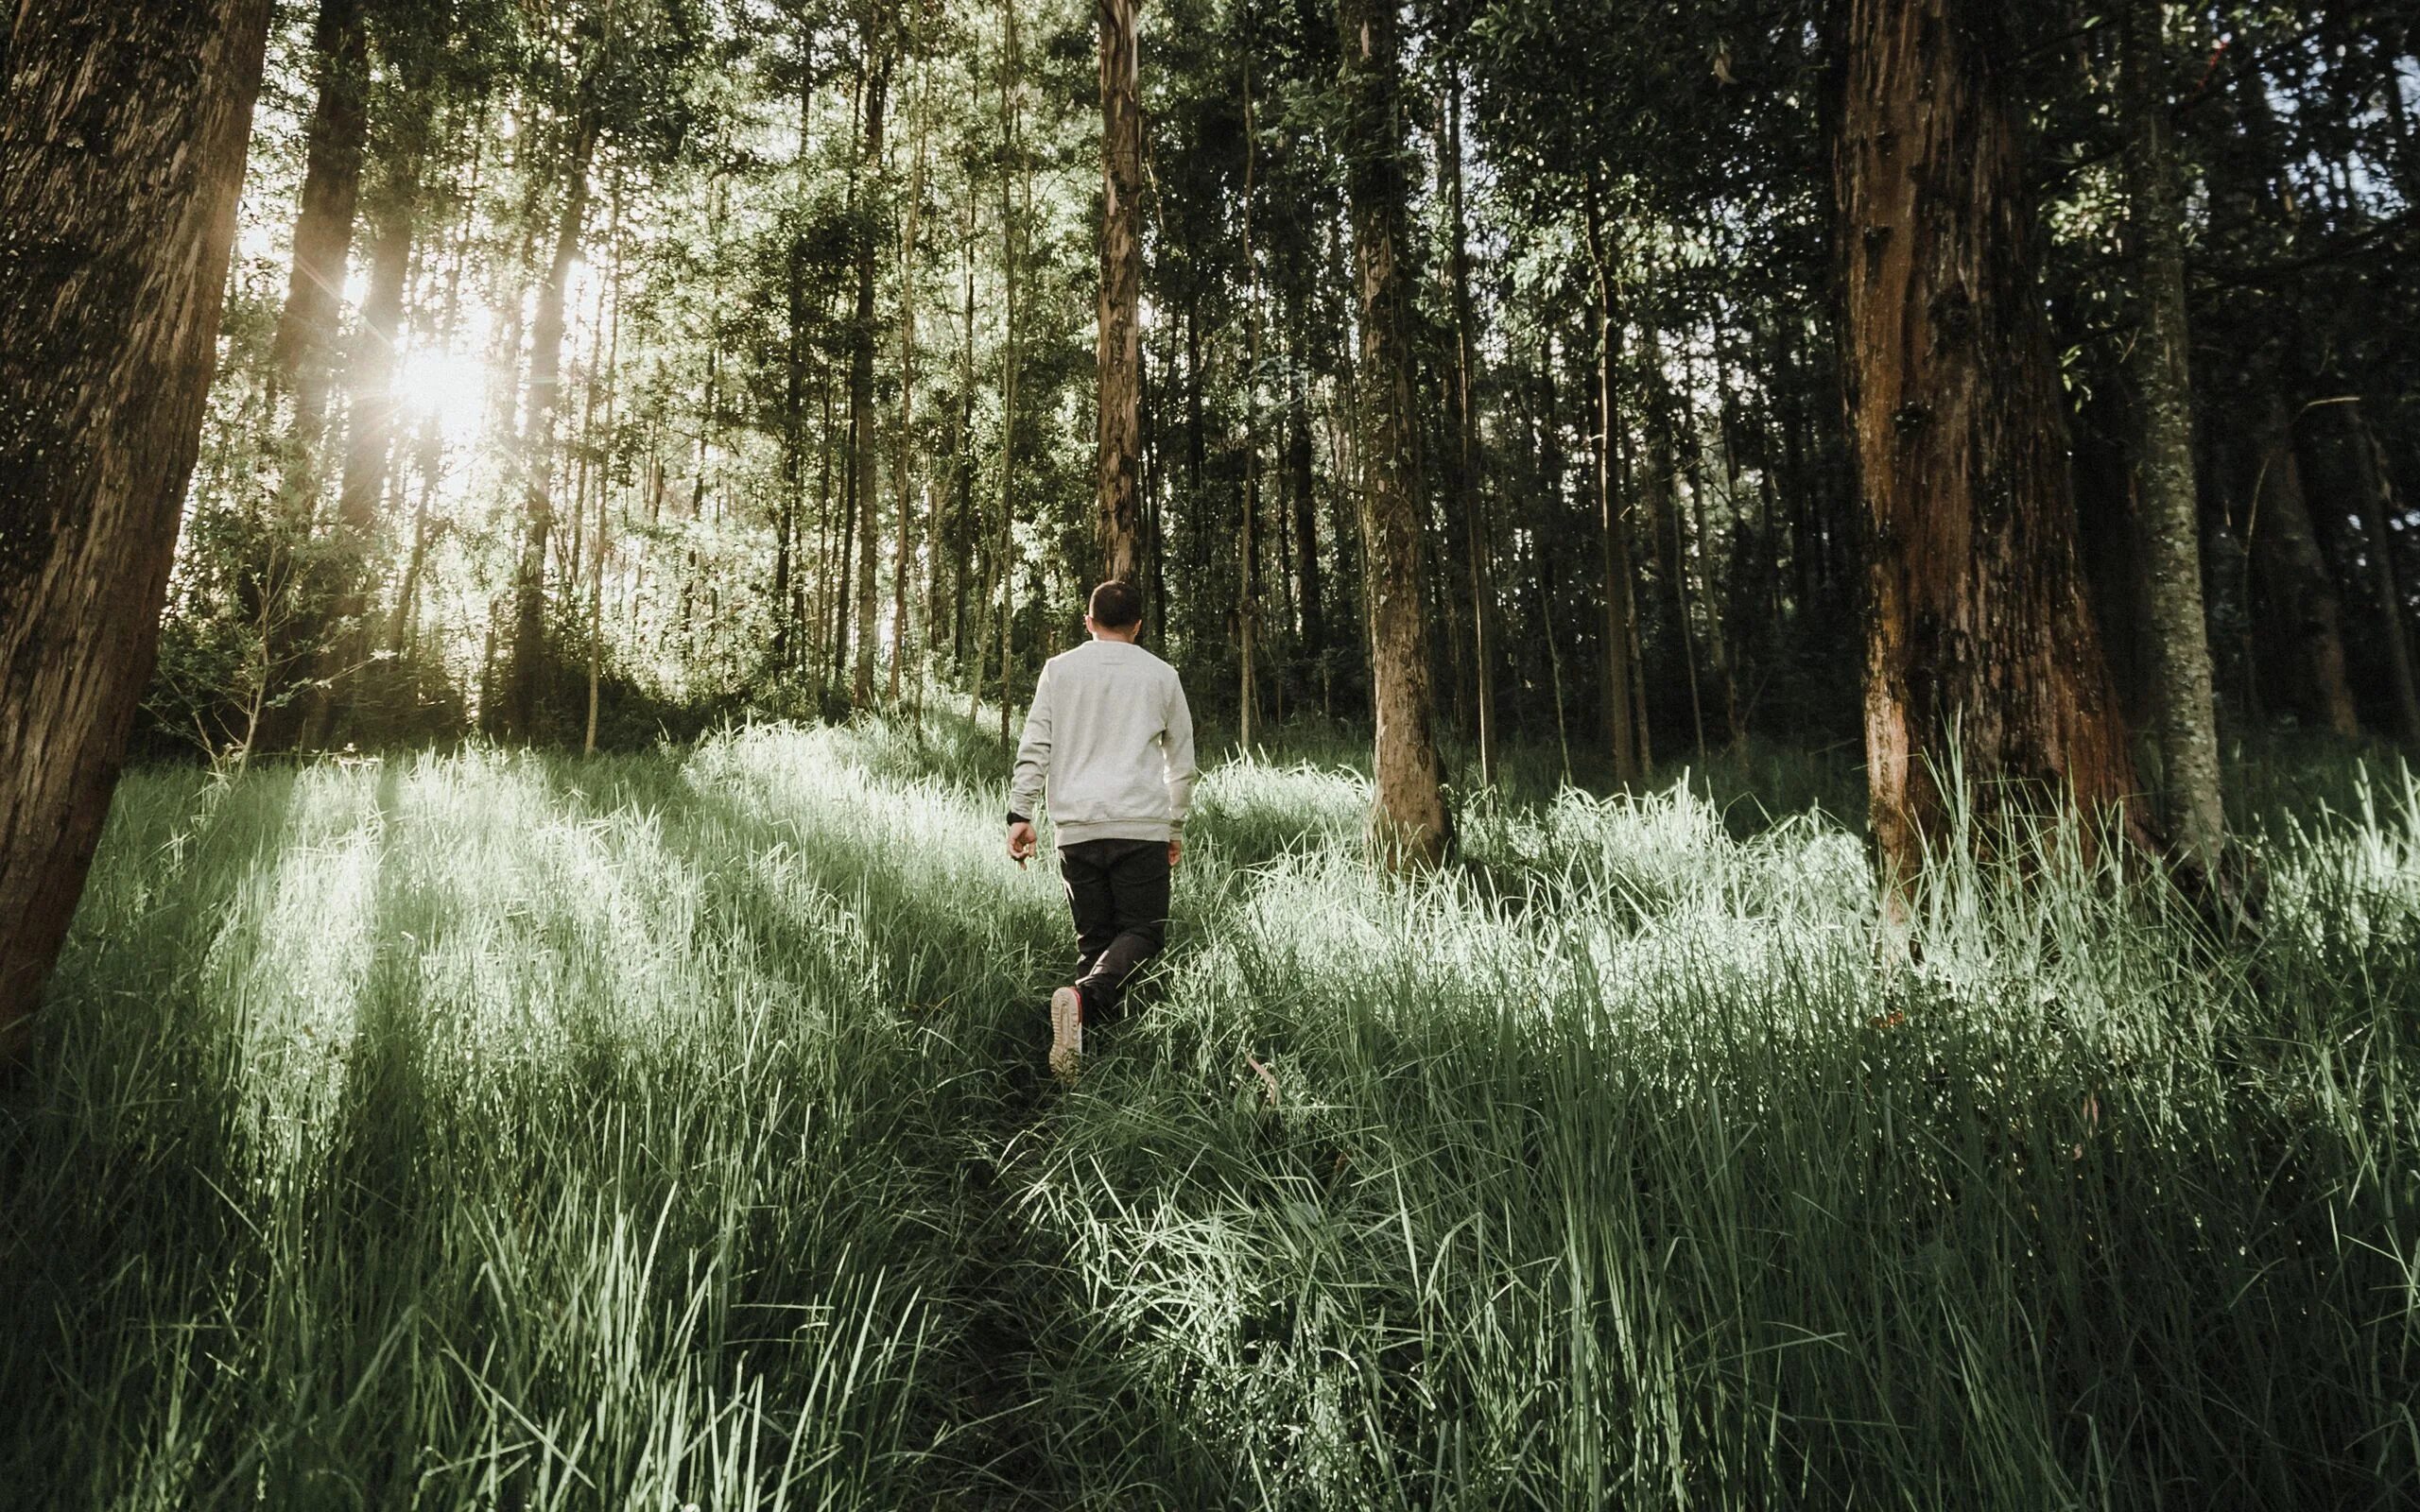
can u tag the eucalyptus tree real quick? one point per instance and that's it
(1984, 662)
(115, 239)
(2185, 706)
(1118, 524)
(1408, 822)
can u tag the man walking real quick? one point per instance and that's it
(1111, 734)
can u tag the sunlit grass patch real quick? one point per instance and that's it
(488, 1128)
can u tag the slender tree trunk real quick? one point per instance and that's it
(862, 424)
(605, 468)
(2375, 482)
(302, 352)
(2185, 705)
(1467, 480)
(1248, 574)
(1718, 642)
(965, 546)
(1982, 658)
(902, 467)
(1625, 731)
(430, 461)
(1118, 525)
(793, 441)
(1409, 824)
(369, 441)
(114, 241)
(1549, 527)
(528, 660)
(1307, 529)
(2304, 610)
(1664, 514)
(1011, 90)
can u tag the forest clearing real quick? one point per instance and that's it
(502, 1129)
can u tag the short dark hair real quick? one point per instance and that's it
(1117, 604)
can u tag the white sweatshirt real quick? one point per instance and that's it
(1111, 734)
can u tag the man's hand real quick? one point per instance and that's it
(1176, 850)
(1023, 842)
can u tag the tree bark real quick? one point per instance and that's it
(902, 468)
(303, 349)
(1466, 481)
(2297, 587)
(2185, 709)
(1408, 825)
(123, 135)
(538, 446)
(861, 339)
(1983, 663)
(370, 441)
(2375, 482)
(1307, 529)
(1625, 732)
(1117, 510)
(1248, 572)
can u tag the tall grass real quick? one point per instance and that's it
(485, 1129)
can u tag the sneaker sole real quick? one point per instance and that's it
(1067, 1032)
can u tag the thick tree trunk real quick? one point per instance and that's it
(2297, 587)
(538, 447)
(2185, 709)
(862, 337)
(304, 350)
(1409, 824)
(123, 134)
(1117, 511)
(1982, 659)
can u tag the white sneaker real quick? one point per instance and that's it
(1067, 1032)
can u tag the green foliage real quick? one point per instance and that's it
(482, 1129)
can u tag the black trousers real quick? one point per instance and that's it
(1118, 891)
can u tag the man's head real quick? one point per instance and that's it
(1115, 612)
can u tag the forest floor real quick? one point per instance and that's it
(478, 1129)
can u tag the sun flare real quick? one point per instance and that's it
(448, 386)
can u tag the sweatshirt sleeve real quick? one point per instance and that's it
(1176, 746)
(1033, 754)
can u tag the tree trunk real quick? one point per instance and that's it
(2185, 708)
(1983, 663)
(964, 546)
(1248, 573)
(1119, 520)
(605, 469)
(2297, 587)
(370, 443)
(1409, 824)
(1625, 731)
(2375, 482)
(304, 350)
(123, 134)
(1306, 528)
(861, 439)
(1466, 479)
(903, 469)
(538, 447)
